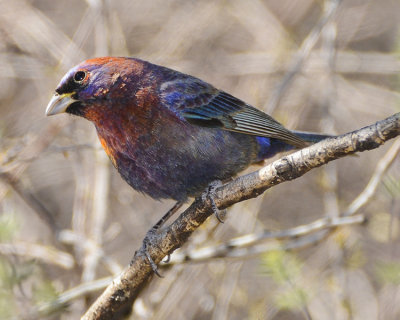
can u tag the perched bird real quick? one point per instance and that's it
(169, 134)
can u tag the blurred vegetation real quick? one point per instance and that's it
(68, 221)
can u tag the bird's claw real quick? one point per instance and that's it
(168, 259)
(152, 233)
(209, 194)
(146, 242)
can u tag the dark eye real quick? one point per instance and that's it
(79, 76)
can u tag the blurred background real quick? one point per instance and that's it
(68, 222)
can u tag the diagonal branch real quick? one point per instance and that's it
(126, 287)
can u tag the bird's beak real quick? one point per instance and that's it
(59, 103)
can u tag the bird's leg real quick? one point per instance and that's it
(209, 194)
(168, 215)
(148, 239)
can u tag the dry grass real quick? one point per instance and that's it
(67, 219)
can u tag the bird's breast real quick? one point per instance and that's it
(171, 158)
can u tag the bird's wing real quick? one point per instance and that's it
(201, 104)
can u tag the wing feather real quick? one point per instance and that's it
(220, 109)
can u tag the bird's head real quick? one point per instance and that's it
(89, 87)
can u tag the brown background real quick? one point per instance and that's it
(348, 79)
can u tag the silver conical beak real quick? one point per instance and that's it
(59, 103)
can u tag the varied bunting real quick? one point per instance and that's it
(169, 134)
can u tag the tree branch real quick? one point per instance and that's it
(125, 288)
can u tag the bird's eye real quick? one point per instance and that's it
(79, 76)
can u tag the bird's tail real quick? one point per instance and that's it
(269, 147)
(312, 137)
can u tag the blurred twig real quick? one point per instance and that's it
(327, 123)
(10, 173)
(234, 248)
(33, 32)
(302, 54)
(89, 245)
(44, 253)
(73, 294)
(382, 166)
(29, 198)
(226, 291)
(127, 286)
(346, 62)
(102, 168)
(230, 282)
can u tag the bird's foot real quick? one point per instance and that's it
(209, 194)
(153, 233)
(147, 242)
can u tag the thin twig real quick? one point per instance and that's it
(33, 202)
(382, 166)
(301, 55)
(71, 238)
(102, 167)
(327, 123)
(12, 172)
(230, 248)
(44, 253)
(73, 294)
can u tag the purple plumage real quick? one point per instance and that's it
(169, 134)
